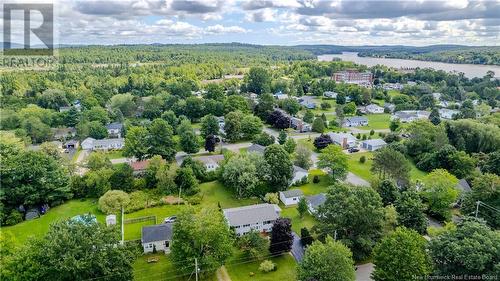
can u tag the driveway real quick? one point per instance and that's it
(297, 249)
(364, 271)
(356, 180)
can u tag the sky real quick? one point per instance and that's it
(280, 22)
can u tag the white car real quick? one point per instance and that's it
(170, 219)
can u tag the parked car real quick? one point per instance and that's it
(170, 219)
(353, 149)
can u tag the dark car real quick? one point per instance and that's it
(353, 149)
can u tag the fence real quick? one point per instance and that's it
(140, 219)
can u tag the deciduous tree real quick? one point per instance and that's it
(335, 160)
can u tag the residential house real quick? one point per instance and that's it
(314, 201)
(355, 121)
(298, 174)
(259, 217)
(291, 197)
(280, 96)
(299, 125)
(220, 121)
(157, 237)
(104, 144)
(389, 106)
(211, 162)
(447, 113)
(63, 134)
(343, 139)
(437, 96)
(71, 144)
(374, 109)
(308, 104)
(406, 116)
(331, 95)
(393, 86)
(115, 130)
(139, 167)
(256, 148)
(374, 144)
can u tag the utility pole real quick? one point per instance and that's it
(196, 268)
(477, 208)
(123, 232)
(179, 201)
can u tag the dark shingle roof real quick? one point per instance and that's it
(114, 126)
(316, 200)
(160, 232)
(292, 193)
(256, 148)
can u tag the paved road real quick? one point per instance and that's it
(80, 162)
(364, 271)
(364, 131)
(356, 180)
(297, 249)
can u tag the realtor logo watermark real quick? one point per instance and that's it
(28, 35)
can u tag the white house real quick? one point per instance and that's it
(330, 94)
(372, 145)
(344, 140)
(259, 217)
(355, 121)
(157, 237)
(115, 130)
(447, 113)
(104, 144)
(314, 201)
(280, 96)
(291, 197)
(374, 109)
(211, 162)
(298, 174)
(406, 116)
(437, 96)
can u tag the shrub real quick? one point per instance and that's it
(364, 137)
(113, 200)
(14, 217)
(195, 199)
(362, 159)
(372, 132)
(358, 136)
(272, 198)
(316, 179)
(267, 266)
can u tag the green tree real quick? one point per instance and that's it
(440, 192)
(290, 145)
(391, 164)
(75, 251)
(292, 106)
(250, 126)
(471, 249)
(97, 130)
(203, 235)
(215, 91)
(412, 259)
(194, 109)
(305, 237)
(356, 214)
(160, 140)
(424, 137)
(486, 188)
(186, 181)
(112, 201)
(411, 211)
(302, 207)
(388, 191)
(188, 138)
(136, 142)
(335, 160)
(258, 80)
(308, 116)
(36, 129)
(279, 167)
(303, 157)
(434, 117)
(282, 137)
(122, 178)
(209, 126)
(240, 174)
(253, 245)
(232, 125)
(124, 103)
(394, 125)
(329, 261)
(96, 113)
(264, 139)
(265, 106)
(98, 160)
(318, 125)
(350, 108)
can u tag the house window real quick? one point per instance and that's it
(167, 244)
(150, 245)
(246, 225)
(294, 198)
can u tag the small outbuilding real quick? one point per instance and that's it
(291, 197)
(372, 145)
(110, 220)
(157, 237)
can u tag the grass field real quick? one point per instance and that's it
(38, 227)
(363, 170)
(214, 192)
(240, 270)
(312, 188)
(377, 121)
(115, 154)
(297, 222)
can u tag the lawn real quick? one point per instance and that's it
(312, 188)
(39, 227)
(363, 170)
(297, 222)
(153, 271)
(240, 269)
(377, 121)
(214, 192)
(115, 154)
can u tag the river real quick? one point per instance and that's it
(469, 70)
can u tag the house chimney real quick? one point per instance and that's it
(344, 143)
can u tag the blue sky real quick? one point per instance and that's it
(279, 22)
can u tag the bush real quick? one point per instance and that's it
(14, 217)
(140, 200)
(112, 201)
(325, 105)
(364, 137)
(195, 199)
(267, 266)
(372, 132)
(362, 159)
(358, 136)
(316, 179)
(272, 198)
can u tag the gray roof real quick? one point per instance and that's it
(292, 193)
(339, 137)
(160, 232)
(257, 148)
(252, 214)
(297, 169)
(375, 142)
(114, 126)
(316, 200)
(464, 186)
(356, 119)
(208, 159)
